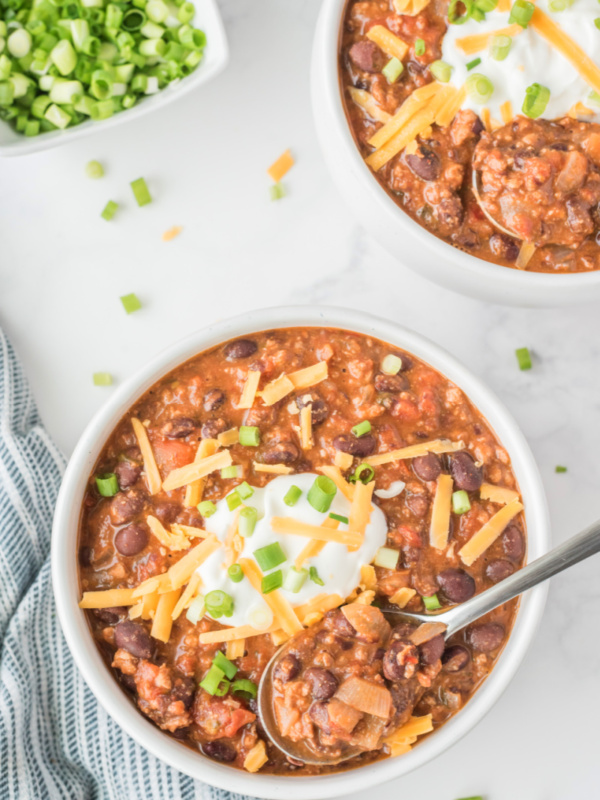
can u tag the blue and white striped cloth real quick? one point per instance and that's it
(56, 742)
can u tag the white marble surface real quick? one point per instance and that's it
(62, 270)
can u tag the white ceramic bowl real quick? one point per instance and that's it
(216, 56)
(85, 652)
(411, 244)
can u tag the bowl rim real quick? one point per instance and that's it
(64, 566)
(325, 53)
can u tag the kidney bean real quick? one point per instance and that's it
(504, 247)
(213, 399)
(241, 348)
(486, 637)
(166, 512)
(400, 660)
(85, 556)
(335, 621)
(367, 56)
(424, 164)
(280, 453)
(287, 668)
(450, 212)
(134, 638)
(361, 446)
(110, 615)
(323, 683)
(403, 699)
(125, 506)
(320, 716)
(455, 658)
(179, 427)
(131, 540)
(428, 467)
(319, 408)
(213, 427)
(183, 690)
(219, 750)
(466, 474)
(431, 651)
(127, 473)
(513, 543)
(391, 383)
(418, 504)
(128, 681)
(498, 570)
(133, 453)
(456, 584)
(402, 631)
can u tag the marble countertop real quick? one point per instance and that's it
(63, 269)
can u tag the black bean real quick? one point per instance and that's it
(213, 427)
(125, 506)
(513, 543)
(127, 473)
(213, 399)
(424, 164)
(220, 751)
(319, 408)
(133, 453)
(131, 540)
(456, 584)
(323, 682)
(391, 383)
(134, 638)
(428, 467)
(166, 512)
(361, 446)
(486, 637)
(504, 247)
(280, 453)
(498, 570)
(179, 427)
(241, 348)
(402, 631)
(430, 652)
(400, 660)
(466, 474)
(320, 716)
(183, 690)
(450, 212)
(455, 658)
(418, 504)
(111, 615)
(85, 556)
(128, 681)
(287, 668)
(367, 56)
(335, 621)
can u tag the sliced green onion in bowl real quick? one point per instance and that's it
(244, 688)
(219, 604)
(442, 72)
(140, 192)
(223, 688)
(269, 556)
(500, 46)
(212, 680)
(233, 501)
(244, 490)
(363, 473)
(321, 493)
(107, 484)
(294, 579)
(339, 518)
(102, 379)
(314, 576)
(196, 610)
(362, 428)
(235, 573)
(260, 617)
(272, 581)
(454, 15)
(223, 663)
(130, 302)
(479, 88)
(431, 603)
(247, 521)
(391, 364)
(393, 69)
(94, 169)
(560, 5)
(206, 508)
(249, 436)
(419, 47)
(536, 100)
(460, 502)
(292, 496)
(521, 13)
(230, 472)
(387, 558)
(486, 5)
(523, 358)
(472, 64)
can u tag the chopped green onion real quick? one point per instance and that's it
(391, 364)
(157, 11)
(486, 5)
(102, 379)
(18, 43)
(230, 472)
(441, 72)
(64, 57)
(472, 64)
(244, 490)
(460, 502)
(249, 436)
(272, 581)
(233, 501)
(479, 88)
(294, 579)
(536, 100)
(387, 558)
(521, 13)
(247, 521)
(321, 493)
(133, 20)
(314, 576)
(500, 47)
(57, 116)
(393, 69)
(419, 47)
(103, 109)
(186, 12)
(560, 5)
(223, 688)
(269, 556)
(196, 610)
(131, 303)
(244, 688)
(292, 496)
(363, 473)
(431, 603)
(523, 358)
(206, 508)
(108, 485)
(108, 212)
(235, 573)
(477, 797)
(560, 469)
(212, 680)
(362, 428)
(277, 191)
(454, 18)
(94, 169)
(219, 604)
(339, 518)
(594, 97)
(225, 664)
(140, 191)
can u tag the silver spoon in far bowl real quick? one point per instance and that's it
(448, 622)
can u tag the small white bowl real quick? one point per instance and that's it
(83, 647)
(404, 238)
(216, 56)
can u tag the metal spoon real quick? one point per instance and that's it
(573, 551)
(491, 219)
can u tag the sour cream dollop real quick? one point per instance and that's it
(337, 567)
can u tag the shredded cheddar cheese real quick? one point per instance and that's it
(276, 390)
(199, 469)
(391, 44)
(487, 535)
(279, 605)
(318, 532)
(108, 598)
(440, 515)
(163, 620)
(250, 389)
(194, 490)
(281, 167)
(413, 451)
(150, 467)
(497, 494)
(275, 469)
(306, 427)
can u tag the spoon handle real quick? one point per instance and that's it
(571, 552)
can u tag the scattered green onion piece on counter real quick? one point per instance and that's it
(460, 502)
(431, 603)
(363, 473)
(223, 663)
(244, 688)
(597, 22)
(314, 576)
(235, 573)
(500, 46)
(94, 169)
(393, 69)
(476, 797)
(472, 64)
(523, 358)
(277, 191)
(108, 212)
(244, 490)
(233, 501)
(454, 18)
(196, 610)
(102, 379)
(479, 88)
(219, 604)
(387, 558)
(140, 191)
(247, 521)
(107, 484)
(212, 680)
(442, 72)
(272, 581)
(339, 518)
(362, 428)
(249, 436)
(269, 556)
(391, 364)
(558, 468)
(292, 496)
(521, 13)
(294, 579)
(206, 508)
(536, 100)
(131, 303)
(230, 472)
(321, 493)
